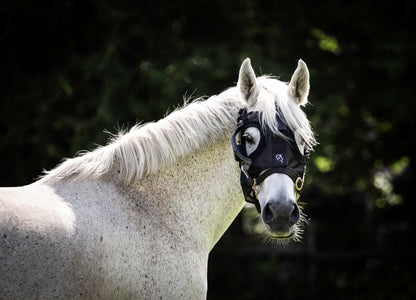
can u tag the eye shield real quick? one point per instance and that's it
(274, 154)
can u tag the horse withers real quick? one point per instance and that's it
(138, 217)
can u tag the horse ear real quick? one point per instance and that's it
(299, 84)
(247, 82)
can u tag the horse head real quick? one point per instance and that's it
(272, 143)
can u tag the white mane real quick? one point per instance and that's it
(149, 147)
(146, 148)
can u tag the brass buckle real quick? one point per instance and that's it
(298, 186)
(255, 187)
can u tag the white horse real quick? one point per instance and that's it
(137, 218)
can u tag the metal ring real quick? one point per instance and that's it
(299, 184)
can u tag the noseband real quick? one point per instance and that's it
(274, 154)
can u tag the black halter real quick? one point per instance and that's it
(274, 154)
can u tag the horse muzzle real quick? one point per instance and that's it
(280, 216)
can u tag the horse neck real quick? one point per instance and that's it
(200, 193)
(197, 193)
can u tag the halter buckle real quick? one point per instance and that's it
(255, 187)
(298, 186)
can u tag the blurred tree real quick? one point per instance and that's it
(70, 69)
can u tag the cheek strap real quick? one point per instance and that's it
(250, 185)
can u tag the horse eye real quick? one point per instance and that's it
(248, 138)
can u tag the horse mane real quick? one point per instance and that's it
(149, 147)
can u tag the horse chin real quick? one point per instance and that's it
(283, 236)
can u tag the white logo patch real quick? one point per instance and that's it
(279, 157)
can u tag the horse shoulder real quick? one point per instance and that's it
(35, 234)
(92, 240)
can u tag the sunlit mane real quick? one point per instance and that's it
(146, 148)
(151, 146)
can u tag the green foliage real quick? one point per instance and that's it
(72, 69)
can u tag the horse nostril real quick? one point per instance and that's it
(294, 217)
(268, 214)
(280, 214)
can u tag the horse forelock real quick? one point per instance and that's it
(274, 99)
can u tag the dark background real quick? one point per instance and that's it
(70, 69)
